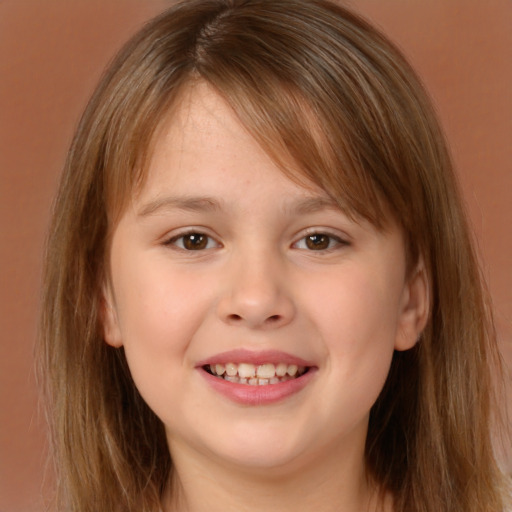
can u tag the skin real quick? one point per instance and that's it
(256, 284)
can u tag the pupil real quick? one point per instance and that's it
(195, 241)
(317, 242)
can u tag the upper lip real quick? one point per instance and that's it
(254, 357)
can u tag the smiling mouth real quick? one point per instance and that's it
(256, 375)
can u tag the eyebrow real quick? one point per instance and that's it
(205, 204)
(186, 203)
(313, 204)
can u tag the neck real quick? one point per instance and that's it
(334, 483)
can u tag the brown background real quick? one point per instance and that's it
(51, 55)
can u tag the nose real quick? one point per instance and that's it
(256, 294)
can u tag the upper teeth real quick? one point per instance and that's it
(262, 371)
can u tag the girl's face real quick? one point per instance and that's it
(222, 266)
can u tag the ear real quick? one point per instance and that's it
(414, 309)
(108, 317)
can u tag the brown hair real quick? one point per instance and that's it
(313, 82)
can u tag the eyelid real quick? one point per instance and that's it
(170, 240)
(340, 239)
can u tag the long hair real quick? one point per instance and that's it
(312, 83)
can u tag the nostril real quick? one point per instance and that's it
(238, 318)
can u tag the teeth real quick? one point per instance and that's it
(257, 375)
(266, 371)
(292, 370)
(231, 369)
(281, 369)
(246, 370)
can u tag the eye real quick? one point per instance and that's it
(193, 242)
(319, 242)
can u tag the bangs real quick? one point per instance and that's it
(328, 99)
(310, 145)
(298, 139)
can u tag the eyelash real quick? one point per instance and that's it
(333, 241)
(183, 236)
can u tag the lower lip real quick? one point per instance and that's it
(258, 395)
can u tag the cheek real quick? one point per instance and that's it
(361, 313)
(157, 304)
(358, 324)
(159, 312)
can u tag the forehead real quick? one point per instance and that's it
(199, 120)
(202, 136)
(200, 133)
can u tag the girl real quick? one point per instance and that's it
(260, 290)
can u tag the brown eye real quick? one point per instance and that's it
(193, 242)
(318, 242)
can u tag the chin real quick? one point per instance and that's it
(268, 448)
